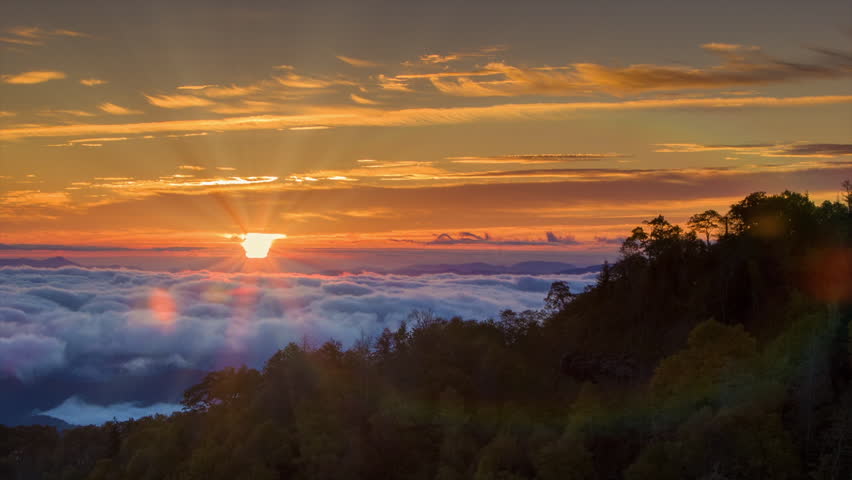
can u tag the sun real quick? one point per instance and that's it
(257, 245)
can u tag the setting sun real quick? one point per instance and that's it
(257, 245)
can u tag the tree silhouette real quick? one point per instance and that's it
(706, 222)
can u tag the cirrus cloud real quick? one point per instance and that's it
(33, 77)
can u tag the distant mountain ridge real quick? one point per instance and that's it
(43, 420)
(481, 268)
(52, 262)
(473, 268)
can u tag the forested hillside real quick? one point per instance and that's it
(717, 350)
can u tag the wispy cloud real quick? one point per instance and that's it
(815, 150)
(246, 107)
(393, 84)
(357, 62)
(99, 140)
(311, 127)
(114, 109)
(91, 142)
(336, 117)
(62, 113)
(294, 80)
(437, 58)
(727, 48)
(33, 199)
(177, 101)
(195, 87)
(173, 182)
(538, 158)
(229, 91)
(741, 66)
(468, 238)
(92, 82)
(35, 36)
(30, 78)
(824, 150)
(361, 100)
(89, 248)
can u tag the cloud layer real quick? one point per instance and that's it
(77, 411)
(97, 323)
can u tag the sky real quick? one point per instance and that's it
(384, 125)
(374, 135)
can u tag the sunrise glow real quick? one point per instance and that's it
(257, 245)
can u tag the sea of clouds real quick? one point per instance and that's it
(100, 323)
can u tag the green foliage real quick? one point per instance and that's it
(714, 353)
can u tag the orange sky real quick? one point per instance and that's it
(183, 127)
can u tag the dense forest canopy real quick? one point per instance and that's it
(714, 350)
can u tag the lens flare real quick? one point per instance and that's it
(163, 307)
(257, 245)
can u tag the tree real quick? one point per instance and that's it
(635, 244)
(224, 387)
(713, 351)
(706, 222)
(558, 297)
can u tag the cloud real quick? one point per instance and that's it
(468, 238)
(109, 322)
(73, 113)
(436, 58)
(89, 248)
(362, 101)
(195, 87)
(78, 412)
(181, 135)
(310, 127)
(537, 158)
(293, 80)
(564, 240)
(357, 62)
(393, 84)
(822, 150)
(246, 107)
(143, 187)
(92, 82)
(801, 149)
(27, 355)
(35, 36)
(742, 66)
(114, 109)
(30, 78)
(215, 91)
(99, 139)
(196, 168)
(177, 101)
(90, 142)
(461, 238)
(728, 47)
(585, 202)
(610, 240)
(414, 116)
